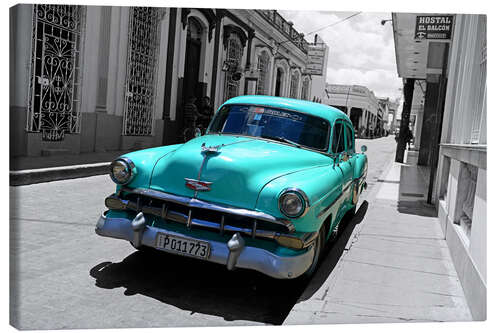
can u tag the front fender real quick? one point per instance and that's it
(321, 185)
(144, 161)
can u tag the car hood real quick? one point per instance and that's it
(238, 171)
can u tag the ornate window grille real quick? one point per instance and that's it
(263, 69)
(54, 88)
(233, 55)
(305, 89)
(294, 85)
(143, 49)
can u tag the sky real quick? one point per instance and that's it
(361, 49)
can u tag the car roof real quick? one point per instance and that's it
(315, 109)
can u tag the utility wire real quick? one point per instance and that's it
(323, 28)
(335, 23)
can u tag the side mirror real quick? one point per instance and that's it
(197, 132)
(363, 148)
(339, 157)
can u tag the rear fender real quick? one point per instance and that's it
(360, 165)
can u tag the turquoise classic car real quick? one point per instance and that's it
(263, 189)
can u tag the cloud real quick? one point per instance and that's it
(361, 49)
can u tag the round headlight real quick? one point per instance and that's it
(292, 203)
(121, 171)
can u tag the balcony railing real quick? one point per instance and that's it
(276, 20)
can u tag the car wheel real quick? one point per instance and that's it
(318, 245)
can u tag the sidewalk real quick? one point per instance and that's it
(31, 170)
(396, 267)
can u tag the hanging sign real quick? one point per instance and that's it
(315, 60)
(434, 27)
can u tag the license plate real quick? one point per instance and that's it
(184, 246)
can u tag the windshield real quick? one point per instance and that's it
(282, 125)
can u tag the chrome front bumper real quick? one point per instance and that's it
(279, 267)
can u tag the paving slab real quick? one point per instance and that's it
(396, 267)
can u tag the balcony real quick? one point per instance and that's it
(277, 21)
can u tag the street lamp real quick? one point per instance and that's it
(383, 22)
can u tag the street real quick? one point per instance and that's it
(64, 276)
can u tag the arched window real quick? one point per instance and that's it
(233, 57)
(294, 85)
(195, 30)
(263, 69)
(279, 82)
(305, 89)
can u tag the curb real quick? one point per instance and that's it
(35, 176)
(369, 196)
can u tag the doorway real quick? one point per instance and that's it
(192, 60)
(355, 119)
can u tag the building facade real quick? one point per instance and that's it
(450, 72)
(388, 108)
(393, 108)
(360, 104)
(94, 78)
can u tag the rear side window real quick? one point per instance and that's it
(338, 138)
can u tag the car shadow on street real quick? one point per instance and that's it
(203, 287)
(333, 251)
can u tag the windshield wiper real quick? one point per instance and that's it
(281, 139)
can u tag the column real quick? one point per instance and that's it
(405, 118)
(428, 119)
(103, 60)
(418, 127)
(21, 17)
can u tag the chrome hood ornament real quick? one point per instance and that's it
(210, 149)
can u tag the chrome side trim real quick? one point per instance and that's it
(324, 210)
(347, 186)
(196, 203)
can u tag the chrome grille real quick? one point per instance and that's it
(198, 216)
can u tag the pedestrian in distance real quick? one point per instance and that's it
(191, 116)
(409, 138)
(206, 111)
(191, 113)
